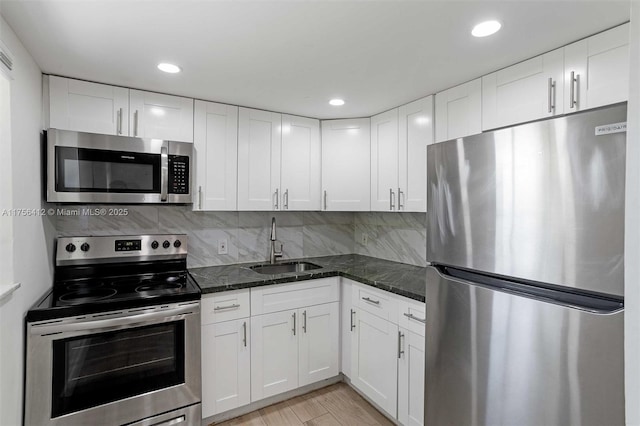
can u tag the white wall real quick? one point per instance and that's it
(32, 236)
(632, 230)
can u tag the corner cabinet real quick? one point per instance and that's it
(99, 108)
(216, 156)
(459, 111)
(399, 140)
(278, 161)
(596, 70)
(346, 165)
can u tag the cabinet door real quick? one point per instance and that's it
(158, 116)
(415, 132)
(374, 353)
(225, 366)
(259, 160)
(88, 107)
(384, 161)
(216, 152)
(346, 165)
(300, 163)
(346, 329)
(274, 360)
(527, 91)
(411, 379)
(600, 66)
(459, 111)
(319, 342)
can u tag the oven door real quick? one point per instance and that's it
(118, 367)
(93, 168)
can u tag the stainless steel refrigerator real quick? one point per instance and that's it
(525, 290)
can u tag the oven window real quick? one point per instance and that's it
(94, 170)
(97, 369)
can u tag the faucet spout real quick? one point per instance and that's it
(273, 229)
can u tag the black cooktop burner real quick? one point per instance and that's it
(102, 289)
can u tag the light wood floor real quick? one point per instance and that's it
(335, 405)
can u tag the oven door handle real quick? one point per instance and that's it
(106, 324)
(164, 172)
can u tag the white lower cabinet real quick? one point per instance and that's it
(411, 379)
(294, 348)
(374, 352)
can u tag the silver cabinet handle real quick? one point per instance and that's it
(352, 323)
(164, 173)
(285, 199)
(400, 344)
(410, 316)
(200, 197)
(304, 321)
(294, 324)
(400, 194)
(392, 199)
(120, 121)
(552, 95)
(276, 198)
(325, 199)
(244, 333)
(573, 88)
(377, 302)
(135, 123)
(220, 308)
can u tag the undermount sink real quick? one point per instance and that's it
(283, 268)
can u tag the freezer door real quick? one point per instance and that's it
(542, 201)
(496, 358)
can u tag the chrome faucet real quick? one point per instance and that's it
(273, 254)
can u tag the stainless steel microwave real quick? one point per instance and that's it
(94, 168)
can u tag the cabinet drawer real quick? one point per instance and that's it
(411, 315)
(282, 297)
(225, 306)
(377, 302)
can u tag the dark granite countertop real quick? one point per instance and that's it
(399, 278)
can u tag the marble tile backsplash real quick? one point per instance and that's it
(393, 236)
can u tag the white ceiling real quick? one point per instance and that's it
(294, 56)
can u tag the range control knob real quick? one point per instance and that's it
(70, 247)
(166, 244)
(154, 245)
(177, 243)
(85, 247)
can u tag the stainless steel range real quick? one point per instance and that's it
(117, 339)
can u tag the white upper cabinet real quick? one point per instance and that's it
(459, 111)
(300, 163)
(216, 156)
(346, 165)
(527, 91)
(384, 161)
(415, 132)
(596, 70)
(87, 107)
(259, 147)
(158, 116)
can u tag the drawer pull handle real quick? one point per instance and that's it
(410, 316)
(376, 302)
(219, 308)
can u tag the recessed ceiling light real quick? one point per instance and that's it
(170, 68)
(336, 102)
(486, 28)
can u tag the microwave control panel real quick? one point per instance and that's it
(178, 174)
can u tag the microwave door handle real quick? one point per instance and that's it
(164, 173)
